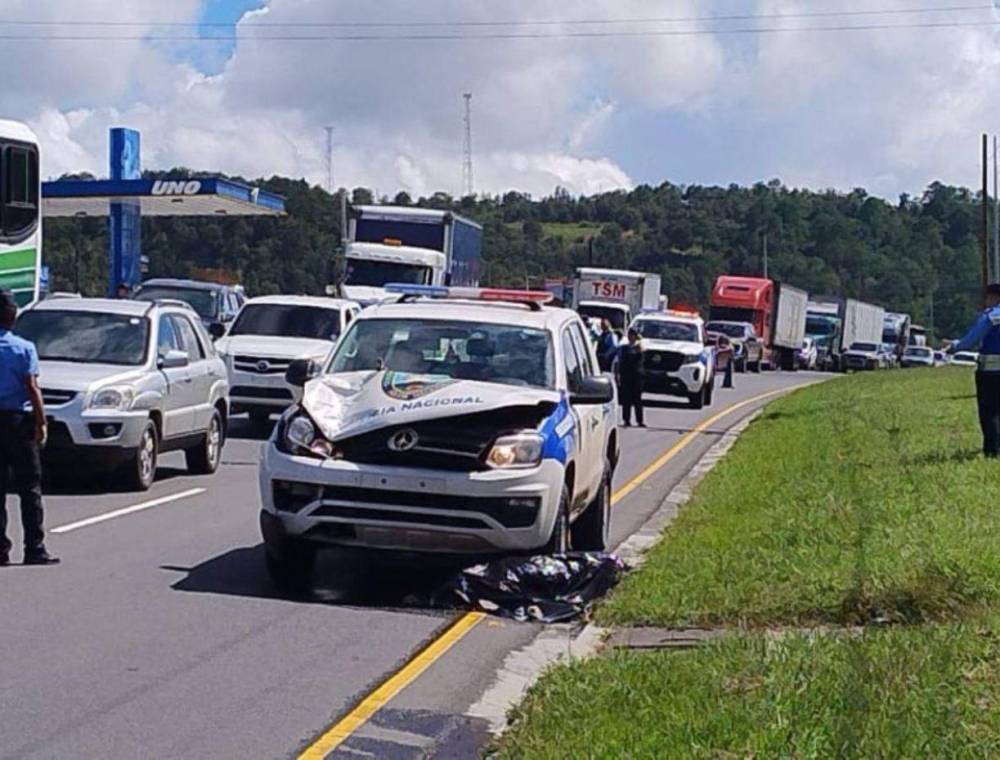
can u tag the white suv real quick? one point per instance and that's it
(676, 360)
(267, 335)
(473, 426)
(124, 381)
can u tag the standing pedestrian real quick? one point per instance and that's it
(22, 433)
(607, 347)
(630, 379)
(123, 292)
(985, 336)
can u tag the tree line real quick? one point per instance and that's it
(918, 255)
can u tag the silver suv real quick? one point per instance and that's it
(125, 381)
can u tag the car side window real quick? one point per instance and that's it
(189, 338)
(166, 337)
(580, 343)
(574, 372)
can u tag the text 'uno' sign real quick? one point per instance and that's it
(174, 187)
(605, 289)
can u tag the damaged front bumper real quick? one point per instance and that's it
(408, 509)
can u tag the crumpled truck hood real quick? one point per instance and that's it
(348, 404)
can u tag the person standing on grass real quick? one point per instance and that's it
(22, 434)
(984, 335)
(630, 379)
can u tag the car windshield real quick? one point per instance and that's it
(486, 352)
(921, 352)
(656, 329)
(378, 273)
(86, 337)
(202, 301)
(864, 347)
(727, 328)
(615, 316)
(288, 321)
(963, 357)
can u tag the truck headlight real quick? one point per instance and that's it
(513, 451)
(117, 399)
(692, 358)
(301, 436)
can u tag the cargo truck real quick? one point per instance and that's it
(776, 311)
(896, 333)
(416, 246)
(616, 295)
(838, 323)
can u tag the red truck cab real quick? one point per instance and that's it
(745, 299)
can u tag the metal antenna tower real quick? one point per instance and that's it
(329, 159)
(467, 184)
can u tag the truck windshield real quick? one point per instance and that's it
(490, 353)
(820, 326)
(868, 347)
(656, 329)
(732, 314)
(378, 273)
(614, 315)
(289, 321)
(727, 328)
(202, 301)
(86, 337)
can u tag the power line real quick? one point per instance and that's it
(505, 23)
(443, 37)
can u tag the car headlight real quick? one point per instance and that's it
(113, 399)
(692, 358)
(513, 451)
(301, 436)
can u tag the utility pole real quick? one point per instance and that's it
(986, 217)
(996, 216)
(468, 187)
(329, 159)
(930, 327)
(765, 255)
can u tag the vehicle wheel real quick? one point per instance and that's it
(591, 529)
(755, 368)
(140, 471)
(204, 458)
(290, 564)
(561, 541)
(709, 391)
(696, 400)
(260, 420)
(741, 365)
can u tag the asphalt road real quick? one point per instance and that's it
(160, 635)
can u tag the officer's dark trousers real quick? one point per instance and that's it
(630, 396)
(19, 456)
(988, 399)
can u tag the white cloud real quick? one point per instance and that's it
(891, 110)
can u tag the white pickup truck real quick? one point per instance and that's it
(676, 360)
(474, 421)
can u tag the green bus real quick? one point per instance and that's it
(20, 212)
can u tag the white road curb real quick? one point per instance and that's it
(560, 643)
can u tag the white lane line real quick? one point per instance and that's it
(126, 511)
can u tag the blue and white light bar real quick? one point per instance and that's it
(538, 297)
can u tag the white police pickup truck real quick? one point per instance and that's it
(454, 421)
(676, 361)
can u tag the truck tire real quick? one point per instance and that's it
(696, 400)
(755, 367)
(709, 391)
(561, 540)
(590, 531)
(204, 458)
(741, 365)
(139, 472)
(290, 563)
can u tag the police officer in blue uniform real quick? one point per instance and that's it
(985, 336)
(22, 433)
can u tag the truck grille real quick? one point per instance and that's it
(261, 365)
(248, 391)
(662, 361)
(53, 397)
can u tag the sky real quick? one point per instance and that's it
(699, 102)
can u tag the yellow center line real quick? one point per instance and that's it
(340, 731)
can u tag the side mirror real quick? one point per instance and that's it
(300, 372)
(594, 390)
(216, 330)
(173, 360)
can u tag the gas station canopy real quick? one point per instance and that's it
(161, 197)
